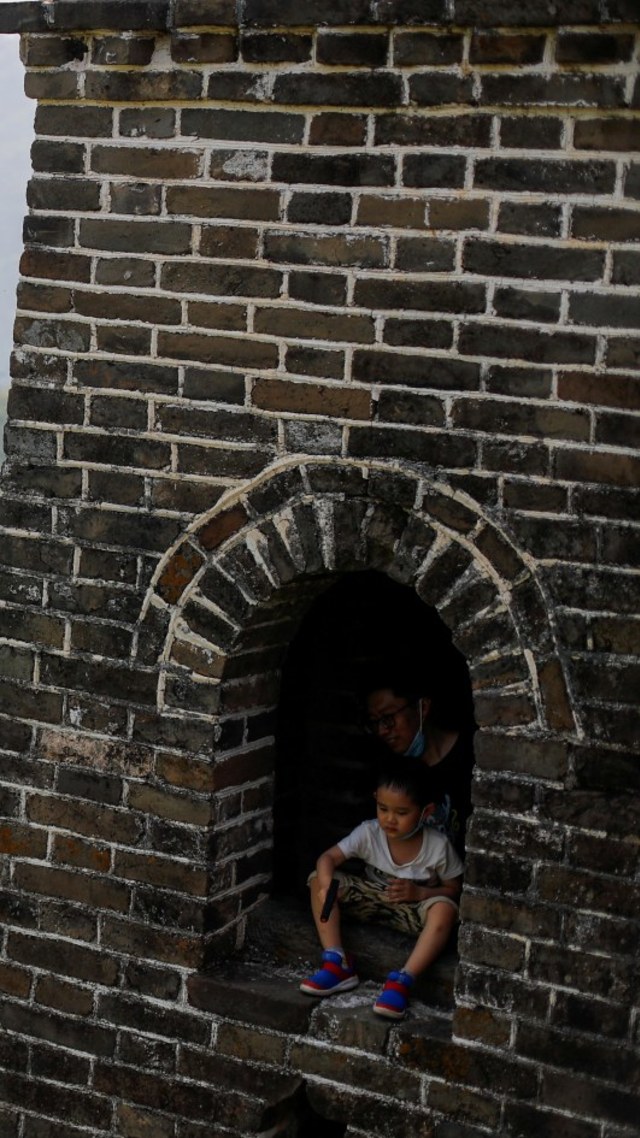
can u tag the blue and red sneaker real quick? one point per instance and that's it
(394, 997)
(335, 975)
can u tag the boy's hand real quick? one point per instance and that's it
(401, 890)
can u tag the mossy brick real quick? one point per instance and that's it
(79, 888)
(434, 448)
(216, 424)
(58, 956)
(44, 297)
(318, 209)
(51, 156)
(470, 1109)
(345, 89)
(222, 280)
(125, 306)
(532, 345)
(222, 462)
(115, 488)
(243, 125)
(52, 50)
(506, 48)
(236, 351)
(123, 450)
(41, 404)
(126, 376)
(142, 87)
(402, 407)
(203, 47)
(354, 49)
(145, 1017)
(424, 255)
(82, 854)
(380, 367)
(561, 90)
(42, 1023)
(308, 361)
(626, 267)
(433, 131)
(322, 288)
(450, 213)
(537, 175)
(230, 318)
(520, 259)
(540, 132)
(534, 220)
(605, 223)
(356, 169)
(127, 51)
(146, 162)
(76, 121)
(229, 241)
(522, 418)
(421, 296)
(621, 134)
(293, 323)
(50, 556)
(593, 47)
(440, 88)
(146, 122)
(426, 48)
(137, 198)
(336, 128)
(270, 47)
(432, 170)
(387, 210)
(527, 304)
(51, 85)
(135, 236)
(632, 181)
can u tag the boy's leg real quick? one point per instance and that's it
(439, 922)
(329, 933)
(438, 927)
(336, 972)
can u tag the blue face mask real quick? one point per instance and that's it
(416, 749)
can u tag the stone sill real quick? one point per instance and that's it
(32, 16)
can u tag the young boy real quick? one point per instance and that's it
(412, 881)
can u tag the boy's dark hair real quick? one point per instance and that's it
(409, 776)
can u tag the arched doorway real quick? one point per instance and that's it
(361, 625)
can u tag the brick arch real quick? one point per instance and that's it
(230, 595)
(285, 536)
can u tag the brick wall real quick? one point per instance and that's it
(311, 290)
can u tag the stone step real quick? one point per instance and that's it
(281, 930)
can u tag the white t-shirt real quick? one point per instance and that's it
(435, 862)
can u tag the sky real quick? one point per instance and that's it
(16, 135)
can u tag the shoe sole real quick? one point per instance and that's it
(343, 986)
(388, 1012)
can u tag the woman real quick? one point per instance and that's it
(409, 722)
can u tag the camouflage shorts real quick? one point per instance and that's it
(360, 898)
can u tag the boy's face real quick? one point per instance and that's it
(397, 814)
(394, 719)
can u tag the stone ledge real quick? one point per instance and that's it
(281, 932)
(30, 16)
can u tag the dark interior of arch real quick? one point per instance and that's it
(325, 761)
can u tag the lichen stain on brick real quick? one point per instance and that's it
(179, 572)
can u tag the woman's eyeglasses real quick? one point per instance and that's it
(384, 722)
